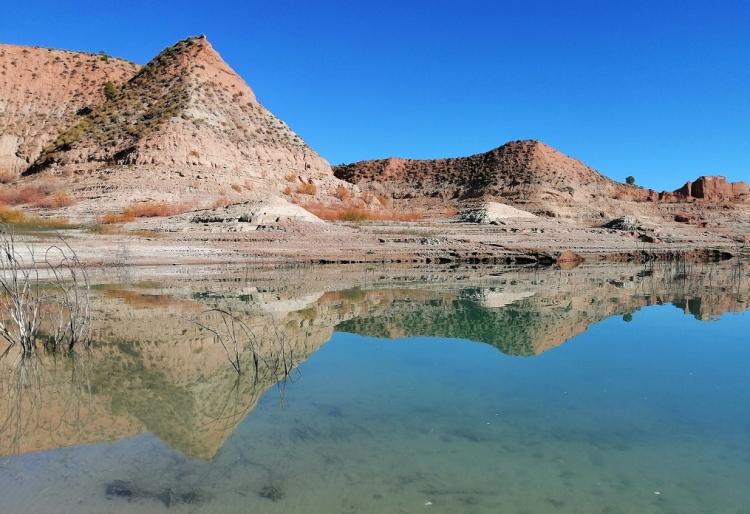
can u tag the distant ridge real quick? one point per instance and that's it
(527, 173)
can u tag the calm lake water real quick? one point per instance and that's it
(602, 390)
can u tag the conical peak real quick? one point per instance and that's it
(194, 60)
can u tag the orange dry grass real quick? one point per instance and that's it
(113, 217)
(11, 216)
(146, 210)
(56, 200)
(157, 209)
(307, 189)
(17, 217)
(342, 193)
(385, 201)
(221, 201)
(21, 195)
(358, 214)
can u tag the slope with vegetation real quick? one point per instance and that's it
(45, 91)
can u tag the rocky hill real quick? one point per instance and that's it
(527, 174)
(45, 91)
(186, 108)
(184, 128)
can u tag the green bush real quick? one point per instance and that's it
(110, 91)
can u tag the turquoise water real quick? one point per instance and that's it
(646, 415)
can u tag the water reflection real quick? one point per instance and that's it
(160, 391)
(151, 370)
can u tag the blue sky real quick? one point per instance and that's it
(659, 90)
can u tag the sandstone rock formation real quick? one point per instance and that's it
(713, 189)
(43, 92)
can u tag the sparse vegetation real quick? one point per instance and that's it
(146, 210)
(20, 219)
(307, 189)
(342, 193)
(56, 200)
(59, 303)
(23, 195)
(630, 180)
(110, 91)
(359, 214)
(37, 196)
(221, 201)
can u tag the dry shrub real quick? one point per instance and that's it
(7, 176)
(221, 201)
(11, 216)
(237, 187)
(157, 209)
(385, 201)
(359, 214)
(307, 189)
(342, 193)
(56, 200)
(287, 190)
(146, 210)
(22, 195)
(16, 217)
(451, 211)
(104, 229)
(291, 177)
(114, 217)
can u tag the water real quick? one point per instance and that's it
(605, 390)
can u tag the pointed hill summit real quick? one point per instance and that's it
(186, 108)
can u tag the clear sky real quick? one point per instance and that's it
(655, 89)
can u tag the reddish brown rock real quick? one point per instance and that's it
(712, 189)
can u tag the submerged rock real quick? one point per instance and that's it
(166, 496)
(271, 492)
(119, 489)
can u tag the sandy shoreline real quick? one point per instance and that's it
(527, 242)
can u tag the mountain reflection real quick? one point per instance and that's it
(150, 370)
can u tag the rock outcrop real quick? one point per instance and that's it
(712, 189)
(492, 213)
(272, 211)
(45, 91)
